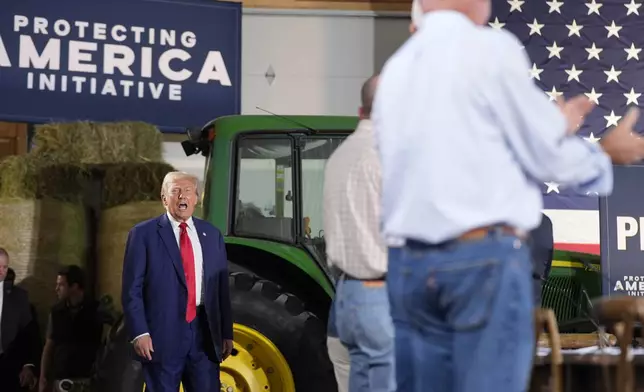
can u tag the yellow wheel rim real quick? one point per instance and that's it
(256, 365)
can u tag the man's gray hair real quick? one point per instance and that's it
(175, 176)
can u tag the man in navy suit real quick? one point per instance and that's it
(175, 294)
(542, 249)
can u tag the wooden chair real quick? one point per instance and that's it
(545, 321)
(620, 314)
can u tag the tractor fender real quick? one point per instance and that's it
(289, 267)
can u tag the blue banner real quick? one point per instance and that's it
(621, 217)
(172, 63)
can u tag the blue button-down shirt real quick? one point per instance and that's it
(465, 138)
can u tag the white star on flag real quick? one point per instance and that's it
(593, 7)
(552, 187)
(535, 27)
(633, 52)
(633, 8)
(554, 94)
(593, 52)
(573, 73)
(555, 6)
(554, 50)
(612, 74)
(612, 119)
(535, 72)
(515, 5)
(574, 29)
(592, 138)
(632, 96)
(593, 96)
(613, 30)
(496, 24)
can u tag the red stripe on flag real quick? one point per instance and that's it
(582, 248)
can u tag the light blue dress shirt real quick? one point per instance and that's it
(466, 139)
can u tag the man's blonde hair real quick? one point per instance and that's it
(175, 176)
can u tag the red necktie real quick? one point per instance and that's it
(188, 258)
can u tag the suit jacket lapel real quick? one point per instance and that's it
(170, 241)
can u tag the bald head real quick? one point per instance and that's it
(478, 11)
(367, 94)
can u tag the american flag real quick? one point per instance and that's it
(580, 47)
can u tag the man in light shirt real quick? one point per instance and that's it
(465, 140)
(354, 245)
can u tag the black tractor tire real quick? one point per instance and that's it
(281, 317)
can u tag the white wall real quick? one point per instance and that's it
(320, 60)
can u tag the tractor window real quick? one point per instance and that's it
(315, 154)
(265, 188)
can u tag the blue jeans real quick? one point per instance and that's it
(365, 328)
(463, 315)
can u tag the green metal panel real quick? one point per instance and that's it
(571, 274)
(292, 254)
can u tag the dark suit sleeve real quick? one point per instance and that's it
(33, 340)
(134, 268)
(224, 294)
(25, 329)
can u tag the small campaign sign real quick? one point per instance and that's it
(621, 217)
(172, 63)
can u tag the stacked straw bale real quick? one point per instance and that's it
(99, 143)
(43, 221)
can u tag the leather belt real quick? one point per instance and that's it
(378, 279)
(482, 232)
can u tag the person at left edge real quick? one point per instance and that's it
(175, 294)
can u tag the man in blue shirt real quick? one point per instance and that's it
(466, 140)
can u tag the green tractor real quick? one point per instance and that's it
(263, 190)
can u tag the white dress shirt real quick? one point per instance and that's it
(466, 139)
(352, 207)
(196, 250)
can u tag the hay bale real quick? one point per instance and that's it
(114, 227)
(40, 236)
(98, 143)
(132, 182)
(30, 177)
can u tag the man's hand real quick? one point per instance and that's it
(227, 349)
(27, 377)
(143, 347)
(621, 144)
(575, 110)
